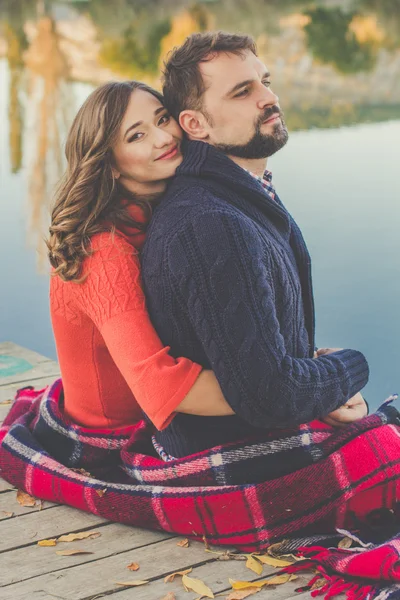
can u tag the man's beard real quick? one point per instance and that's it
(261, 145)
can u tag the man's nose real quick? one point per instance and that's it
(267, 98)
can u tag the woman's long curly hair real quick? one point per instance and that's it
(88, 199)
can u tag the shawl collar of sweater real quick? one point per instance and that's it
(204, 161)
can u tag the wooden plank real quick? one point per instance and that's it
(98, 577)
(38, 561)
(21, 352)
(216, 576)
(38, 525)
(5, 486)
(7, 392)
(9, 503)
(43, 369)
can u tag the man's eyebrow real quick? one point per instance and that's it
(158, 110)
(238, 86)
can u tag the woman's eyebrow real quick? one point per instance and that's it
(158, 110)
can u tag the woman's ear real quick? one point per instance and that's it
(194, 124)
(116, 174)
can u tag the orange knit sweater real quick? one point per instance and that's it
(112, 362)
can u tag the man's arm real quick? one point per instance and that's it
(216, 265)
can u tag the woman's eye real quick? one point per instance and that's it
(164, 119)
(136, 136)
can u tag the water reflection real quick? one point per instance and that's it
(331, 65)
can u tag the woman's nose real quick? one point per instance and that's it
(162, 138)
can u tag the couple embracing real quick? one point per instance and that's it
(183, 312)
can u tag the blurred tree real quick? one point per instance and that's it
(133, 54)
(387, 13)
(332, 41)
(192, 19)
(16, 44)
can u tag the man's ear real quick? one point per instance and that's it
(194, 124)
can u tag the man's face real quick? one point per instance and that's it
(244, 117)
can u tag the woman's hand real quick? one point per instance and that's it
(355, 409)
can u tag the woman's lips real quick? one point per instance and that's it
(170, 154)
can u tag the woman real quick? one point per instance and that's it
(122, 148)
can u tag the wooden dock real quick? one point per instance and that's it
(32, 572)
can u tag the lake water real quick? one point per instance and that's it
(341, 183)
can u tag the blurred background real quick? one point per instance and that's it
(336, 68)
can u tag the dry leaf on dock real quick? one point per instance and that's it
(169, 596)
(276, 580)
(170, 578)
(72, 552)
(345, 543)
(52, 542)
(253, 564)
(183, 543)
(7, 514)
(82, 535)
(196, 585)
(241, 594)
(133, 567)
(134, 583)
(25, 499)
(274, 562)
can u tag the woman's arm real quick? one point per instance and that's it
(113, 298)
(205, 398)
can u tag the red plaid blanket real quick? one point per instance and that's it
(316, 479)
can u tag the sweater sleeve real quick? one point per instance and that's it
(112, 297)
(217, 264)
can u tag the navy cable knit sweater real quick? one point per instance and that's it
(227, 277)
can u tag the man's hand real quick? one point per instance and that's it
(355, 409)
(322, 351)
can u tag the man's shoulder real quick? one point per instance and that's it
(185, 203)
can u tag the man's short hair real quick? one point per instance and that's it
(183, 85)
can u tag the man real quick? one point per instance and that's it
(225, 268)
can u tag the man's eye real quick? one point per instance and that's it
(242, 93)
(266, 82)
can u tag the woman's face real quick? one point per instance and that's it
(147, 151)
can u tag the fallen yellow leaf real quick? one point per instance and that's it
(25, 499)
(241, 594)
(133, 567)
(196, 585)
(170, 578)
(254, 565)
(134, 583)
(277, 580)
(82, 535)
(169, 596)
(52, 542)
(6, 402)
(183, 543)
(72, 552)
(274, 562)
(345, 543)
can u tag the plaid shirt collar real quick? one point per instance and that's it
(266, 182)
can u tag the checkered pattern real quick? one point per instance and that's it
(266, 182)
(341, 476)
